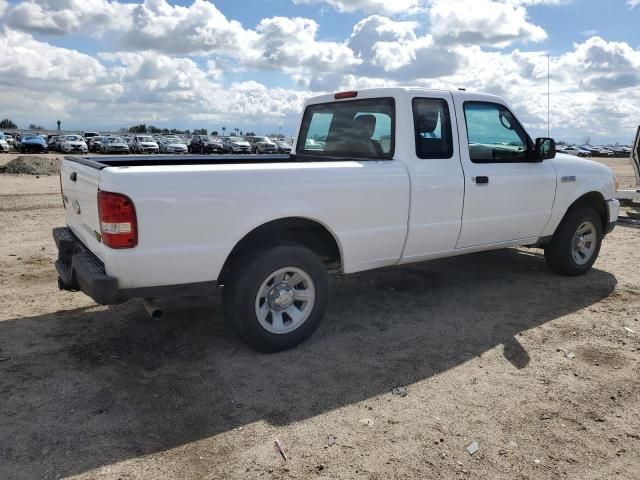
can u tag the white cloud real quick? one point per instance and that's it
(197, 28)
(370, 6)
(633, 3)
(61, 17)
(392, 49)
(602, 66)
(172, 65)
(482, 22)
(290, 43)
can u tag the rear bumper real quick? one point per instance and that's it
(34, 147)
(80, 270)
(212, 148)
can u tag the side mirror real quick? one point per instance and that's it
(545, 149)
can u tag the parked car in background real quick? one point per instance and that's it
(235, 145)
(172, 144)
(577, 151)
(113, 145)
(283, 146)
(73, 144)
(52, 142)
(261, 144)
(4, 145)
(95, 143)
(88, 135)
(144, 144)
(10, 140)
(30, 143)
(205, 144)
(605, 152)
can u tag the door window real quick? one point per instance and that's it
(432, 128)
(495, 136)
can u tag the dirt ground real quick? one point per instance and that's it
(542, 371)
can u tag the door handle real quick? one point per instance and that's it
(481, 180)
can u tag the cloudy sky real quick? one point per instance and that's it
(106, 64)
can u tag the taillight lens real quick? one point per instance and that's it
(118, 223)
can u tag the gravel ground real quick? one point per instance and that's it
(32, 165)
(542, 371)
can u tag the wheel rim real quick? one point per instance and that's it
(584, 243)
(285, 300)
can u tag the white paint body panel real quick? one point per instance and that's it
(515, 204)
(381, 213)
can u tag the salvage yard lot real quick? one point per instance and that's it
(542, 371)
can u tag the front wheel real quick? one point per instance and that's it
(575, 246)
(277, 297)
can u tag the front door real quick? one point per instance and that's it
(508, 197)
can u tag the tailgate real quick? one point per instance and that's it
(80, 193)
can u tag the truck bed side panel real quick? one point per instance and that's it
(191, 216)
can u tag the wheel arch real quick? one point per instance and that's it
(593, 200)
(308, 232)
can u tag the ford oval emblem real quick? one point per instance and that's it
(76, 206)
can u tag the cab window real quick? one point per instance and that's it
(494, 134)
(432, 125)
(363, 129)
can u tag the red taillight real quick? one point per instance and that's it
(118, 223)
(342, 95)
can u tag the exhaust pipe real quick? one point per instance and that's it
(152, 308)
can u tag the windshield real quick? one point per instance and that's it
(115, 140)
(30, 137)
(72, 138)
(172, 140)
(262, 139)
(145, 139)
(235, 139)
(354, 128)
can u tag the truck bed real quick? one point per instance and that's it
(100, 162)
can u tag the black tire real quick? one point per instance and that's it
(559, 254)
(248, 275)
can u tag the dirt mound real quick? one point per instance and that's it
(32, 166)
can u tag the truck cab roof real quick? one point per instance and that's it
(401, 91)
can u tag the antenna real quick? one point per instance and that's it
(548, 95)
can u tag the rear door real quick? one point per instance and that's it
(508, 197)
(80, 195)
(437, 179)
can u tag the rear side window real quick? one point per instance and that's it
(355, 129)
(432, 124)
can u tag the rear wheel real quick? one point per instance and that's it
(276, 298)
(575, 246)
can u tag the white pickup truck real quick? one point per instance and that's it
(376, 178)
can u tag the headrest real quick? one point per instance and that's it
(427, 121)
(364, 126)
